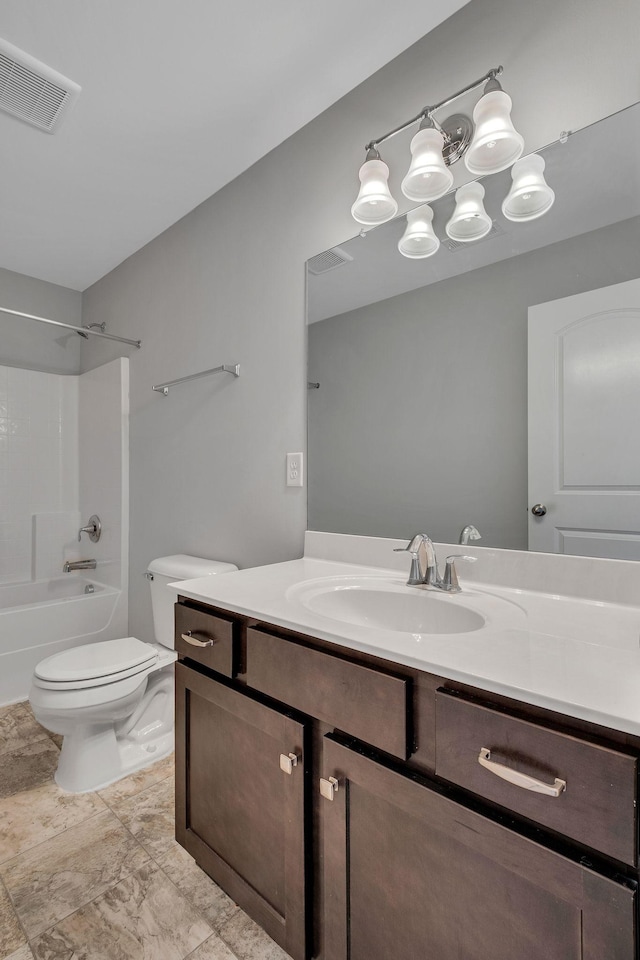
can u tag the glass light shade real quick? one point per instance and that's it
(470, 220)
(496, 144)
(374, 204)
(418, 240)
(530, 195)
(428, 177)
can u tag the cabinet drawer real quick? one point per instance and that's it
(195, 627)
(363, 702)
(597, 805)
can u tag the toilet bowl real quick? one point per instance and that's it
(112, 701)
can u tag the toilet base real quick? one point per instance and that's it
(91, 760)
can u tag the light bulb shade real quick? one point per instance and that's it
(418, 240)
(428, 177)
(496, 144)
(470, 220)
(374, 204)
(530, 195)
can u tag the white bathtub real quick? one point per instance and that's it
(42, 617)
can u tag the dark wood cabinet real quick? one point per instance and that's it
(340, 800)
(241, 799)
(411, 873)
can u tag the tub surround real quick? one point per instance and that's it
(566, 636)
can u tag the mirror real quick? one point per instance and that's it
(422, 420)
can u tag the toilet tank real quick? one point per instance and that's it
(166, 570)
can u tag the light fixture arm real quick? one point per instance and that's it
(427, 112)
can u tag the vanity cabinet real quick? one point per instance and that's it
(339, 799)
(242, 800)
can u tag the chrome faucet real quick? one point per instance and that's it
(93, 528)
(469, 533)
(427, 574)
(71, 565)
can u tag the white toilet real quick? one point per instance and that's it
(113, 700)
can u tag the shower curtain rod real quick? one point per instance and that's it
(83, 331)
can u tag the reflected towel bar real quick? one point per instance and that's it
(83, 331)
(163, 388)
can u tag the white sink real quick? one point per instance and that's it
(388, 604)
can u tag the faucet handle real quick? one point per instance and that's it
(93, 528)
(450, 579)
(415, 573)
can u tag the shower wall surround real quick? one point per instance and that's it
(63, 454)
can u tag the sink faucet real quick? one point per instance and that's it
(426, 575)
(71, 565)
(469, 533)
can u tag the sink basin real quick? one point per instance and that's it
(387, 604)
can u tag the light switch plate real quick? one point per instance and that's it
(294, 470)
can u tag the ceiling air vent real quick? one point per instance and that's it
(329, 260)
(32, 91)
(453, 245)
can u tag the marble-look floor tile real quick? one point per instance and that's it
(23, 953)
(212, 949)
(150, 816)
(30, 818)
(11, 935)
(139, 781)
(142, 918)
(57, 739)
(249, 941)
(57, 877)
(18, 727)
(28, 767)
(194, 884)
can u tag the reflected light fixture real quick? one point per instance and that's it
(530, 196)
(470, 220)
(496, 144)
(418, 240)
(374, 203)
(428, 177)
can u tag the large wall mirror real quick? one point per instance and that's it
(494, 378)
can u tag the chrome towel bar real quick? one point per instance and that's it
(163, 388)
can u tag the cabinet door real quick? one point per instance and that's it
(238, 811)
(410, 873)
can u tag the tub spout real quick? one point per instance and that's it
(71, 565)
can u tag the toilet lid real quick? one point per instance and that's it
(94, 661)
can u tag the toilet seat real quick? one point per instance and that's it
(96, 664)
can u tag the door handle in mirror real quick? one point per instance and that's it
(538, 510)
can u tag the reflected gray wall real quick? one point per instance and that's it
(420, 422)
(25, 343)
(226, 283)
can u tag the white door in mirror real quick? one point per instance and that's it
(584, 399)
(294, 470)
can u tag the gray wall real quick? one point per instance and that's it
(226, 283)
(420, 421)
(25, 343)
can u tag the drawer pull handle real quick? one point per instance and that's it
(329, 787)
(188, 637)
(287, 762)
(520, 779)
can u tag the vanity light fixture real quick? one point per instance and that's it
(419, 240)
(492, 145)
(470, 220)
(374, 203)
(530, 196)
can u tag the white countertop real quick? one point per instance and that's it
(575, 656)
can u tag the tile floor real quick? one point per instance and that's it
(99, 876)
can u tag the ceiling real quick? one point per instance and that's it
(177, 100)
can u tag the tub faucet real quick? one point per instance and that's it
(426, 575)
(71, 565)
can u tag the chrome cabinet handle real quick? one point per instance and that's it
(287, 762)
(520, 779)
(189, 638)
(329, 787)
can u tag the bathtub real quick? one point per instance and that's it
(39, 618)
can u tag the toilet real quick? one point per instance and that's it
(112, 701)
